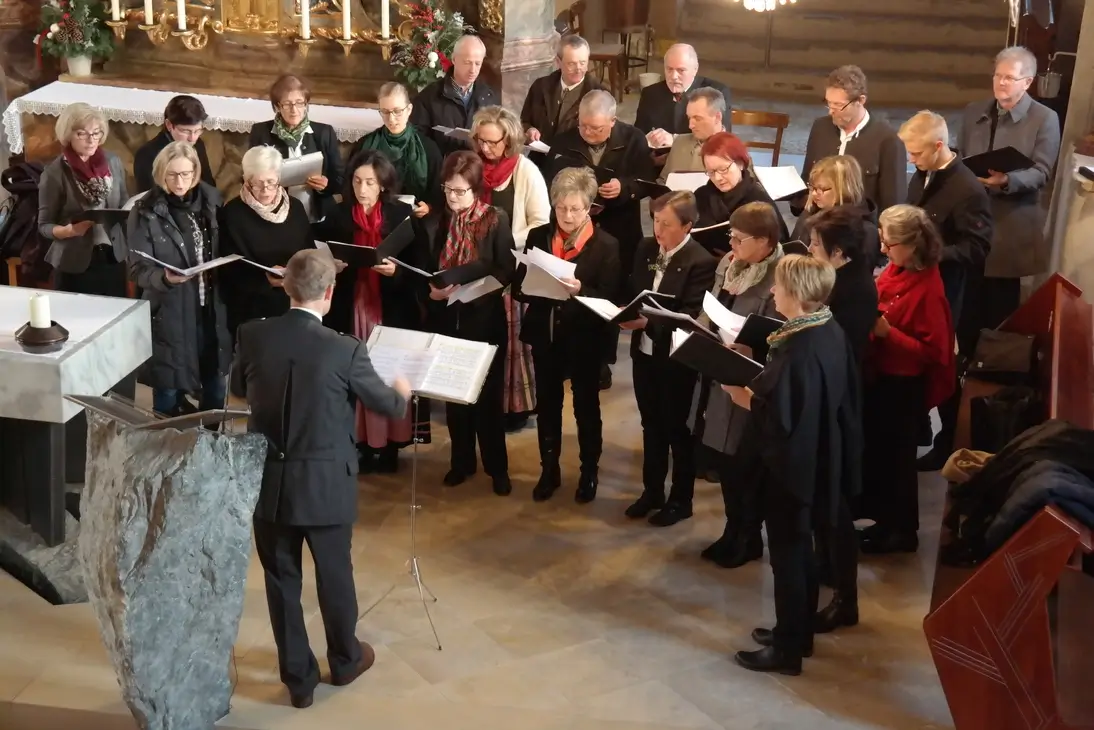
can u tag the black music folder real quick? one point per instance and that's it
(457, 275)
(364, 257)
(1004, 159)
(631, 311)
(754, 334)
(652, 190)
(678, 320)
(714, 360)
(108, 217)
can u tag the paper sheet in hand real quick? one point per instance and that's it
(279, 273)
(1004, 159)
(133, 201)
(714, 360)
(553, 265)
(439, 367)
(537, 146)
(464, 135)
(408, 199)
(471, 291)
(690, 181)
(540, 280)
(729, 323)
(193, 270)
(780, 182)
(296, 170)
(617, 315)
(676, 319)
(415, 269)
(106, 217)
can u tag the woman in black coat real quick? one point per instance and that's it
(471, 240)
(295, 135)
(559, 331)
(265, 225)
(176, 223)
(805, 408)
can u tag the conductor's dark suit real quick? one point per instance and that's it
(302, 381)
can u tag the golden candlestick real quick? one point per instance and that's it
(118, 26)
(347, 45)
(303, 45)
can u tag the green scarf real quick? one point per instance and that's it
(407, 152)
(791, 327)
(291, 136)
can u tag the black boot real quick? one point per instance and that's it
(550, 479)
(586, 486)
(842, 611)
(648, 502)
(387, 460)
(366, 459)
(739, 550)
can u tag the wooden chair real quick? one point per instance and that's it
(13, 270)
(608, 59)
(629, 22)
(770, 120)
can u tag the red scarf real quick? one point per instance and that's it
(576, 241)
(366, 290)
(914, 303)
(495, 173)
(461, 244)
(92, 175)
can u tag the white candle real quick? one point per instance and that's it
(182, 14)
(305, 19)
(115, 10)
(39, 311)
(149, 13)
(347, 29)
(385, 19)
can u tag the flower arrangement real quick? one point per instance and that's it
(426, 55)
(73, 28)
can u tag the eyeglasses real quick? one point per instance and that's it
(819, 190)
(180, 176)
(598, 129)
(264, 186)
(563, 210)
(836, 106)
(83, 135)
(456, 192)
(489, 142)
(392, 113)
(288, 106)
(1009, 79)
(738, 239)
(721, 170)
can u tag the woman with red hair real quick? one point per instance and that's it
(731, 185)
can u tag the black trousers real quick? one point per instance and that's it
(998, 299)
(892, 406)
(104, 276)
(554, 363)
(739, 475)
(790, 546)
(485, 420)
(837, 546)
(280, 552)
(664, 391)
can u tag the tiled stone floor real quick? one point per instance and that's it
(553, 617)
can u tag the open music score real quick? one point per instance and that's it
(439, 367)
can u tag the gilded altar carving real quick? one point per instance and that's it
(490, 11)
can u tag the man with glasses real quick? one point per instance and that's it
(848, 129)
(451, 101)
(183, 121)
(551, 105)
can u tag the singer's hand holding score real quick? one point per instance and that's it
(634, 324)
(385, 268)
(440, 295)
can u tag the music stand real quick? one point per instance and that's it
(413, 568)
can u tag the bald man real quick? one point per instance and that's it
(662, 107)
(452, 100)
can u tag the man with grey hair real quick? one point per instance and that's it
(706, 114)
(551, 105)
(453, 99)
(302, 382)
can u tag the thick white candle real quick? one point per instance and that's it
(347, 29)
(149, 13)
(385, 19)
(182, 14)
(115, 10)
(39, 311)
(305, 19)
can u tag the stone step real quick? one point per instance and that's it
(939, 10)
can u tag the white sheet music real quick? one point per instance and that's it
(690, 181)
(408, 199)
(296, 170)
(193, 270)
(603, 307)
(445, 368)
(538, 146)
(780, 182)
(729, 323)
(471, 291)
(553, 265)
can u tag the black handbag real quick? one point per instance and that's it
(1003, 357)
(994, 420)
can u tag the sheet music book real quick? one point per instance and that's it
(754, 335)
(723, 224)
(677, 319)
(408, 199)
(439, 367)
(651, 189)
(543, 274)
(729, 323)
(193, 270)
(364, 257)
(608, 310)
(415, 269)
(464, 135)
(714, 360)
(1003, 159)
(296, 170)
(107, 217)
(279, 273)
(780, 182)
(473, 290)
(690, 181)
(133, 201)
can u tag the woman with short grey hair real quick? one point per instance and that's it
(265, 225)
(87, 257)
(559, 332)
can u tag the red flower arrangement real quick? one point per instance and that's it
(426, 54)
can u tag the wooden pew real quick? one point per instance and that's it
(1002, 661)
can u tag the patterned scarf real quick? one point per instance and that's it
(275, 212)
(461, 245)
(495, 173)
(291, 136)
(92, 176)
(407, 152)
(742, 276)
(569, 246)
(791, 327)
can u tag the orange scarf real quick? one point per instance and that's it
(568, 247)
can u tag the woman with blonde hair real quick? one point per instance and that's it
(86, 256)
(512, 183)
(837, 181)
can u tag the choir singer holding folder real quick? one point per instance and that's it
(469, 241)
(671, 263)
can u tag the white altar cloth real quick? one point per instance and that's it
(144, 106)
(109, 338)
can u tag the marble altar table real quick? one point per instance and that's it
(109, 338)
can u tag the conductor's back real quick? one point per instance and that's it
(302, 382)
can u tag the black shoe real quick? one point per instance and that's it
(839, 612)
(672, 513)
(710, 475)
(644, 505)
(502, 486)
(887, 543)
(739, 551)
(933, 460)
(765, 637)
(550, 479)
(515, 422)
(301, 702)
(605, 377)
(718, 547)
(387, 460)
(586, 487)
(366, 459)
(770, 659)
(456, 477)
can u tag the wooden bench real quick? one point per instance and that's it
(1003, 662)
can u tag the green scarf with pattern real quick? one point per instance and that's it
(291, 136)
(791, 327)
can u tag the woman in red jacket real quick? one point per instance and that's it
(909, 370)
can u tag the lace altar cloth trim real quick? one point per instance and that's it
(144, 106)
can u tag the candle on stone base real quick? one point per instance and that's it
(385, 19)
(182, 14)
(149, 13)
(347, 29)
(39, 312)
(115, 10)
(305, 19)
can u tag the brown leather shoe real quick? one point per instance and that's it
(368, 658)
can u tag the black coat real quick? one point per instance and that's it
(175, 308)
(853, 302)
(716, 207)
(541, 105)
(548, 320)
(871, 243)
(399, 294)
(246, 291)
(146, 155)
(439, 105)
(658, 110)
(960, 207)
(806, 412)
(629, 156)
(689, 276)
(482, 319)
(302, 382)
(322, 139)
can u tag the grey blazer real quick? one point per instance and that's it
(1018, 246)
(683, 157)
(59, 202)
